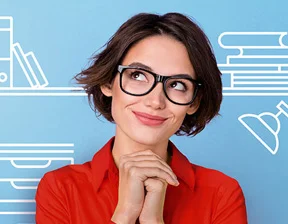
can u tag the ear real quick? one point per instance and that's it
(106, 89)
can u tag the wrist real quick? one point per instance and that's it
(152, 222)
(158, 221)
(123, 217)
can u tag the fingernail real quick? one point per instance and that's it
(176, 182)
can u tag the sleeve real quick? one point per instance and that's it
(230, 206)
(50, 202)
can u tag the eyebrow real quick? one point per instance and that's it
(140, 65)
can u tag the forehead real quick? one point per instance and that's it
(162, 53)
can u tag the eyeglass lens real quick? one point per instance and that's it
(139, 82)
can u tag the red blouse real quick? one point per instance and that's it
(88, 193)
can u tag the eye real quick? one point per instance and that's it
(138, 75)
(177, 85)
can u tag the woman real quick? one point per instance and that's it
(156, 77)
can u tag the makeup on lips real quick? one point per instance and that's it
(148, 119)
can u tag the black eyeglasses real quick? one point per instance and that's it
(179, 89)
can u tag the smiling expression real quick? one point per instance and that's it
(151, 118)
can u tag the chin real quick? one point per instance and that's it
(149, 138)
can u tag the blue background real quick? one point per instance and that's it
(64, 34)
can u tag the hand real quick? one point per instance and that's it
(152, 211)
(134, 170)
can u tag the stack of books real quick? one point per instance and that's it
(6, 55)
(28, 62)
(260, 65)
(30, 67)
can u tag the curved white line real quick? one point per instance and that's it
(273, 152)
(31, 166)
(22, 187)
(281, 40)
(5, 77)
(241, 52)
(267, 126)
(228, 47)
(220, 40)
(281, 35)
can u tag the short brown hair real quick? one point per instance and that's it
(103, 68)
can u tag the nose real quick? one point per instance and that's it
(156, 98)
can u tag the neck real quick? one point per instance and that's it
(123, 145)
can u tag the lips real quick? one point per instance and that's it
(148, 119)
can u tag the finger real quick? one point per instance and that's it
(143, 152)
(151, 172)
(147, 157)
(150, 163)
(155, 184)
(124, 158)
(153, 180)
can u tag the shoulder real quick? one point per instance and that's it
(213, 179)
(56, 192)
(224, 192)
(55, 186)
(70, 174)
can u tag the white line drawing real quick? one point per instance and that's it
(31, 68)
(11, 201)
(49, 161)
(29, 73)
(18, 213)
(17, 201)
(36, 151)
(9, 58)
(39, 83)
(283, 109)
(14, 181)
(247, 76)
(279, 45)
(37, 145)
(28, 155)
(22, 58)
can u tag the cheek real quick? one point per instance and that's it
(120, 104)
(180, 113)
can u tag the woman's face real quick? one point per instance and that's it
(165, 56)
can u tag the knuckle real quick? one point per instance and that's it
(157, 157)
(127, 165)
(121, 165)
(132, 170)
(158, 170)
(161, 184)
(150, 151)
(167, 176)
(159, 163)
(122, 158)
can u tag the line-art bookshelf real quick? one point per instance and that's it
(260, 68)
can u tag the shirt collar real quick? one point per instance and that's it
(182, 167)
(103, 162)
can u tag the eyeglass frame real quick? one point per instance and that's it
(162, 79)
